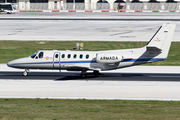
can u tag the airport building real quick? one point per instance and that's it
(128, 5)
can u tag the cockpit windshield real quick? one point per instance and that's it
(37, 55)
(34, 54)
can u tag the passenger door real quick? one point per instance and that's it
(56, 60)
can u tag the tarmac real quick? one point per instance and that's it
(94, 16)
(82, 30)
(133, 83)
(85, 26)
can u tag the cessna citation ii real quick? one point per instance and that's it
(156, 50)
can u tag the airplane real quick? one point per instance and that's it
(156, 50)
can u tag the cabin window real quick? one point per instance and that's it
(56, 56)
(75, 56)
(41, 55)
(69, 55)
(63, 55)
(87, 56)
(81, 56)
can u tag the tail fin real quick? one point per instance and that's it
(162, 39)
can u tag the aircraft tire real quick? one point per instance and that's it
(25, 73)
(83, 76)
(96, 73)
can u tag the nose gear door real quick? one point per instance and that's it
(56, 60)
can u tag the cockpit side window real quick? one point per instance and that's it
(41, 55)
(34, 54)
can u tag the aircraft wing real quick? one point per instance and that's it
(77, 68)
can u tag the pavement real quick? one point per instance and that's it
(134, 83)
(93, 16)
(85, 26)
(82, 30)
(82, 89)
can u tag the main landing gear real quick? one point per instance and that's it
(84, 74)
(96, 73)
(25, 73)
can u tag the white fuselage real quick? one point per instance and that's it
(78, 60)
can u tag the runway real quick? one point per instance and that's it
(71, 30)
(85, 26)
(107, 86)
(107, 76)
(94, 16)
(133, 83)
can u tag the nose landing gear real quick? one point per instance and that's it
(25, 73)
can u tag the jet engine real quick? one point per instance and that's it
(108, 58)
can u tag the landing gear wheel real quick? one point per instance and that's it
(25, 73)
(96, 73)
(83, 75)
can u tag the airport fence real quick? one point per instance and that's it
(100, 6)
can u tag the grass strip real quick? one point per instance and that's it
(55, 109)
(10, 50)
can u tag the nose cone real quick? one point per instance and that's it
(11, 64)
(16, 63)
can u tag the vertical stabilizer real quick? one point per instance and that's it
(162, 39)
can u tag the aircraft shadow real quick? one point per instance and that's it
(102, 77)
(125, 77)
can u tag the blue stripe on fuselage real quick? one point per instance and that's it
(94, 61)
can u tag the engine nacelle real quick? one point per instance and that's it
(108, 58)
